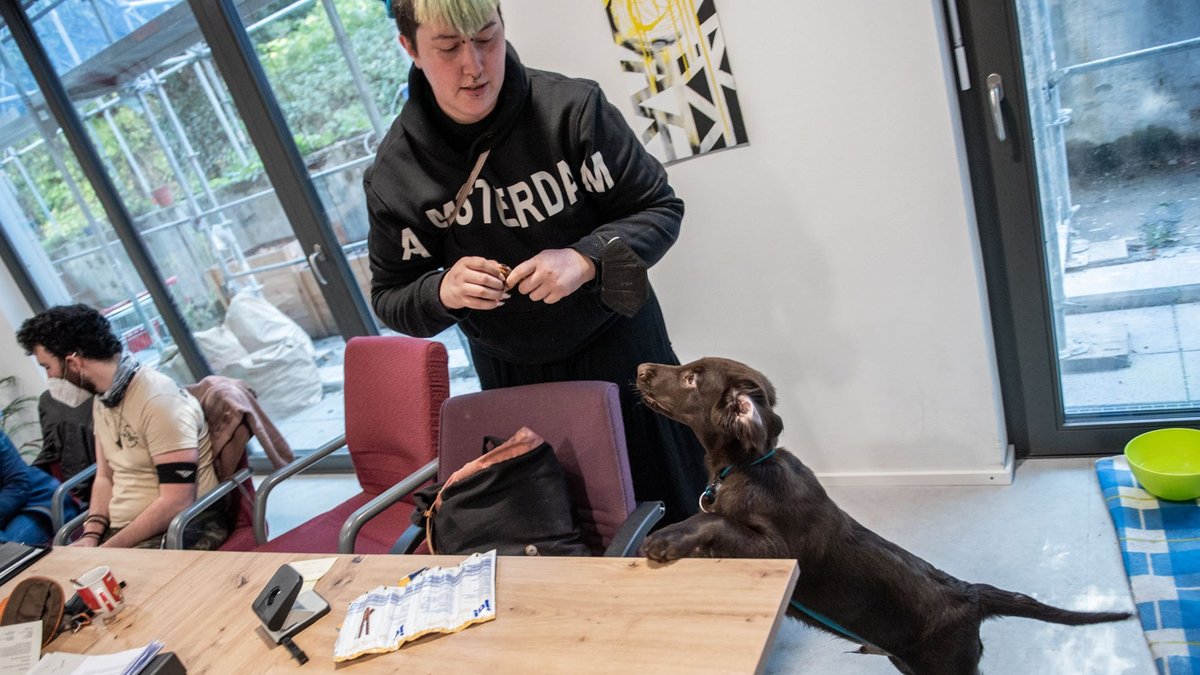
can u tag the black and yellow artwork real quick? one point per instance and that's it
(684, 98)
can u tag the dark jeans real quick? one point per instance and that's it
(665, 458)
(206, 532)
(27, 528)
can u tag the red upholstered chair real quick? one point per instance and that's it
(394, 389)
(582, 422)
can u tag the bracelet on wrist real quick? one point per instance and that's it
(97, 535)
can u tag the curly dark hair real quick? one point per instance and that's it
(70, 329)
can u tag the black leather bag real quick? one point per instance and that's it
(513, 499)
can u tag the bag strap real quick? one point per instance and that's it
(490, 443)
(465, 190)
(429, 529)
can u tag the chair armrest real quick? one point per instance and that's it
(377, 505)
(278, 476)
(63, 536)
(63, 493)
(174, 538)
(629, 538)
(409, 540)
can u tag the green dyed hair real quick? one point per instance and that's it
(464, 16)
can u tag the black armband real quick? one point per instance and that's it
(176, 472)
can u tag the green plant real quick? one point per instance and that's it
(10, 417)
(202, 313)
(1160, 227)
(1156, 145)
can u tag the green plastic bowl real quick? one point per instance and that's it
(1167, 462)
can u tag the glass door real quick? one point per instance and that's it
(205, 206)
(1084, 134)
(55, 224)
(346, 51)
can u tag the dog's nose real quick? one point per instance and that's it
(645, 371)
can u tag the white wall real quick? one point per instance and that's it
(837, 252)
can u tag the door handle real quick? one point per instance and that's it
(317, 254)
(995, 90)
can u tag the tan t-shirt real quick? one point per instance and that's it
(156, 416)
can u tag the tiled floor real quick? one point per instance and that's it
(1048, 535)
(1163, 339)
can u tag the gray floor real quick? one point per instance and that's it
(1048, 535)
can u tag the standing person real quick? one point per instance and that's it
(548, 173)
(25, 497)
(153, 455)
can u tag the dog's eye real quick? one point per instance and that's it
(690, 379)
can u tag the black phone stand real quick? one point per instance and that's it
(284, 609)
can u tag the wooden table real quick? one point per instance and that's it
(553, 614)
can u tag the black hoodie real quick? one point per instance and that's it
(565, 171)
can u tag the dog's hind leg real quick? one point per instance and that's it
(938, 664)
(901, 665)
(950, 652)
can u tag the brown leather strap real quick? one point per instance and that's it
(429, 528)
(467, 187)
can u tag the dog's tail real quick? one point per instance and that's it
(999, 602)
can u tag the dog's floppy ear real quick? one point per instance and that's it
(747, 414)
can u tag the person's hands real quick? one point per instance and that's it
(87, 542)
(552, 274)
(473, 283)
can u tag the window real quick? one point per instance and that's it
(236, 257)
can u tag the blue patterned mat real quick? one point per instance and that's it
(1160, 543)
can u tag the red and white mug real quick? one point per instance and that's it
(100, 591)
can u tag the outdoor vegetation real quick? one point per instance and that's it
(17, 417)
(310, 79)
(1141, 187)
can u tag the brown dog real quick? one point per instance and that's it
(763, 502)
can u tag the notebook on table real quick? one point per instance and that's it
(15, 556)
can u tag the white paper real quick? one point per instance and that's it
(126, 662)
(439, 600)
(20, 646)
(58, 663)
(312, 571)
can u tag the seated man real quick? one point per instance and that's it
(153, 455)
(25, 496)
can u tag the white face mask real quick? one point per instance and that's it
(67, 393)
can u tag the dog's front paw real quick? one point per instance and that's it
(669, 543)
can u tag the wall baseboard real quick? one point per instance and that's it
(1001, 475)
